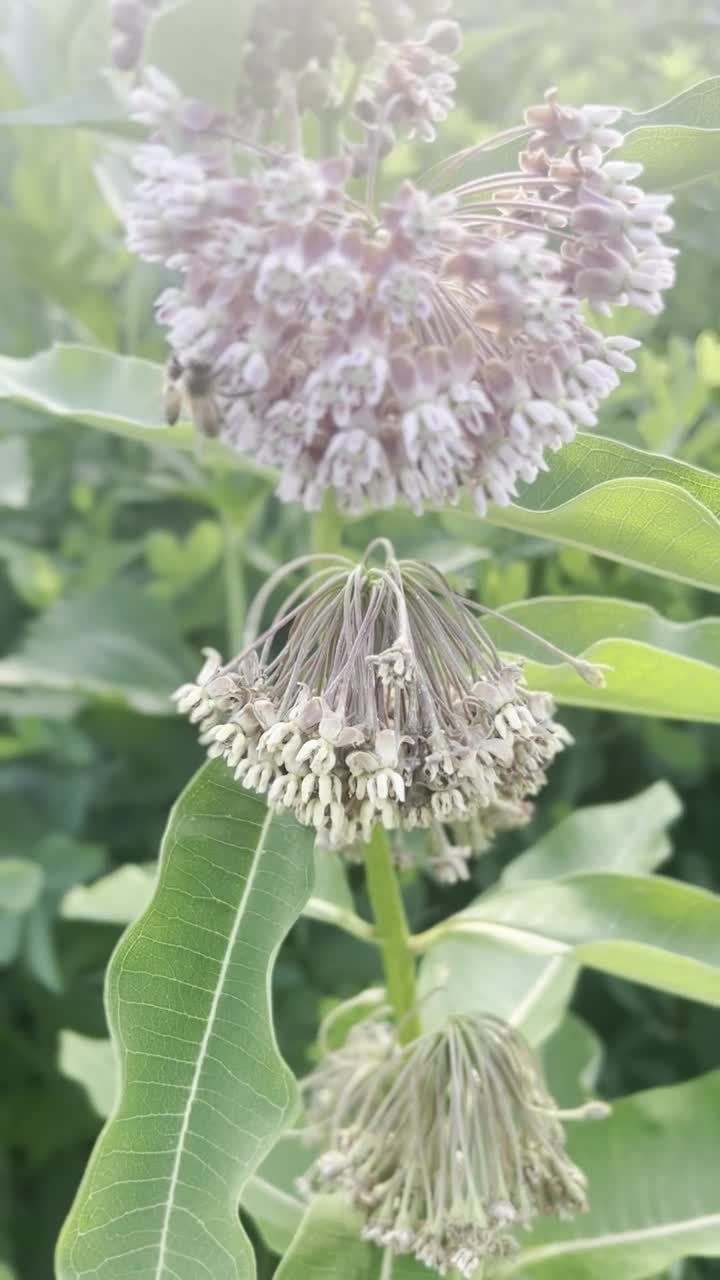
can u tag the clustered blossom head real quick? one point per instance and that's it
(414, 350)
(376, 696)
(448, 1146)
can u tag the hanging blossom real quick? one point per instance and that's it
(449, 1146)
(433, 346)
(375, 695)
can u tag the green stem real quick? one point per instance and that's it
(327, 525)
(392, 934)
(235, 598)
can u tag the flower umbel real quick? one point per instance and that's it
(375, 695)
(415, 349)
(448, 1146)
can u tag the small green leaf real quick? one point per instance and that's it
(626, 837)
(116, 644)
(639, 508)
(120, 394)
(93, 1065)
(204, 1093)
(115, 899)
(652, 1170)
(652, 666)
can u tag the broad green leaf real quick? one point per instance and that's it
(92, 1063)
(644, 928)
(697, 107)
(116, 644)
(629, 837)
(643, 509)
(678, 143)
(120, 394)
(651, 666)
(15, 473)
(652, 1170)
(672, 157)
(204, 1092)
(479, 971)
(460, 974)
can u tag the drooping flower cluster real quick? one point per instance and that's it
(448, 1146)
(376, 696)
(432, 346)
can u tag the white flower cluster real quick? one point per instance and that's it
(449, 1146)
(385, 702)
(432, 347)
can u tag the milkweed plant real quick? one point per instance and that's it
(374, 331)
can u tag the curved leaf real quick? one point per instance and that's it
(652, 666)
(642, 509)
(204, 1092)
(644, 928)
(120, 394)
(652, 1170)
(490, 971)
(678, 143)
(628, 837)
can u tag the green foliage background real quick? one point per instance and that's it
(115, 562)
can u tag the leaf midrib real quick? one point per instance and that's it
(588, 1244)
(205, 1044)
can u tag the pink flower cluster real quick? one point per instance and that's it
(435, 346)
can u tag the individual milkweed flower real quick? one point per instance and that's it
(448, 1146)
(375, 695)
(432, 346)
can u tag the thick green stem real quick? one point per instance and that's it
(392, 934)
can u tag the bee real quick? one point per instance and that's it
(193, 381)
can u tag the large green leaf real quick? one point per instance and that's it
(116, 644)
(652, 666)
(678, 143)
(489, 970)
(644, 928)
(643, 509)
(630, 836)
(120, 394)
(204, 1092)
(652, 1169)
